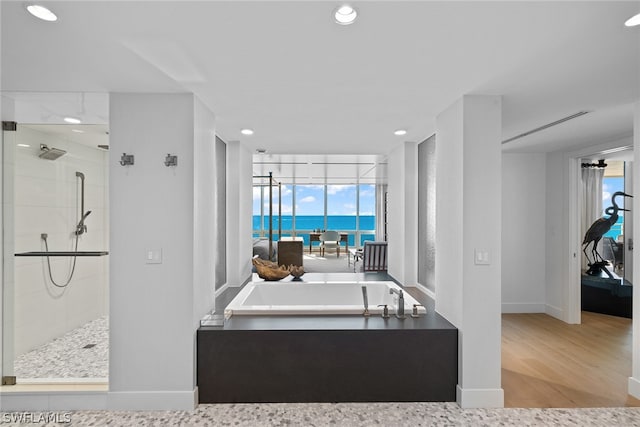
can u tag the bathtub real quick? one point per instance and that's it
(316, 298)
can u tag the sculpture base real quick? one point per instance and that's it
(597, 268)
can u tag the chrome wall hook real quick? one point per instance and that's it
(126, 159)
(171, 160)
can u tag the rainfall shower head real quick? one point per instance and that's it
(50, 153)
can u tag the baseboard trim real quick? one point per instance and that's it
(428, 292)
(516, 307)
(53, 401)
(153, 400)
(480, 397)
(221, 289)
(634, 387)
(554, 311)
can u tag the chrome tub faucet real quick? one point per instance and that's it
(400, 308)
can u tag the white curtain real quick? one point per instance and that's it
(381, 191)
(591, 202)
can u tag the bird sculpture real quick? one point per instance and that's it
(597, 230)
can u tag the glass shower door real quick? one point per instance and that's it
(55, 270)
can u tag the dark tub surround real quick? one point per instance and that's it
(345, 358)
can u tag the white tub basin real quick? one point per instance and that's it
(261, 298)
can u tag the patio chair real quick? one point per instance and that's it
(374, 256)
(330, 240)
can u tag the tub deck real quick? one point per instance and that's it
(307, 358)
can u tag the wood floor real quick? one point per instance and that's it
(547, 363)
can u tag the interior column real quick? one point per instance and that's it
(468, 241)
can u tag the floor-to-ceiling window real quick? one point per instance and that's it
(310, 208)
(367, 213)
(342, 201)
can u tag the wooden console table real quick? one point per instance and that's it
(315, 237)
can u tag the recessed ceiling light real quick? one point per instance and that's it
(633, 21)
(42, 12)
(72, 120)
(77, 131)
(247, 131)
(24, 145)
(400, 132)
(345, 15)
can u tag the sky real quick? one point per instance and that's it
(341, 199)
(609, 186)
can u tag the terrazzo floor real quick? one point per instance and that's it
(67, 357)
(70, 356)
(351, 414)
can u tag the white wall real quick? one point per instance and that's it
(468, 197)
(239, 213)
(47, 200)
(449, 213)
(523, 233)
(153, 207)
(204, 211)
(556, 223)
(402, 209)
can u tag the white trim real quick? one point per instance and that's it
(219, 291)
(554, 311)
(49, 381)
(517, 307)
(53, 401)
(428, 292)
(572, 292)
(571, 311)
(634, 387)
(480, 397)
(153, 400)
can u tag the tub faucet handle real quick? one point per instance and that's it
(385, 310)
(415, 310)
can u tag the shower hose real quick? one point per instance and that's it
(73, 268)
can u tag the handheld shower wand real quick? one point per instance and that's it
(81, 228)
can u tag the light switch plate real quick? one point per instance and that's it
(153, 256)
(482, 257)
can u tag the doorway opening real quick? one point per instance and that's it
(606, 280)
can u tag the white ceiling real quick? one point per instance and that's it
(310, 87)
(88, 135)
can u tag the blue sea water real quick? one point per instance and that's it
(307, 223)
(616, 229)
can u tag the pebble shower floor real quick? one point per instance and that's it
(80, 353)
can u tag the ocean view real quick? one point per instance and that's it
(307, 223)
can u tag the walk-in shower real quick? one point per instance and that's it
(45, 207)
(50, 153)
